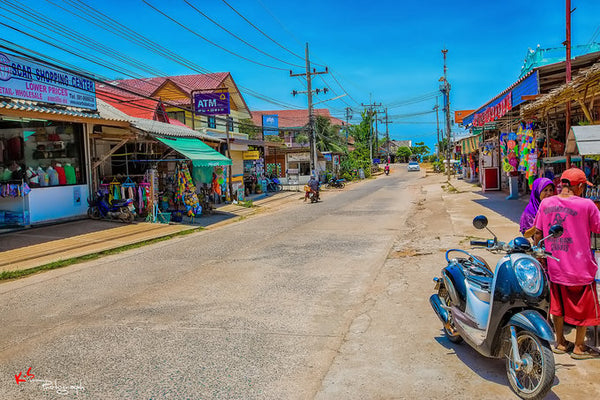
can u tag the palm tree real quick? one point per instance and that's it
(328, 136)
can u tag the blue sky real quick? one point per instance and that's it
(387, 51)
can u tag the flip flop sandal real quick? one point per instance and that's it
(589, 354)
(568, 348)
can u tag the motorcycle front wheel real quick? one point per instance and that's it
(534, 379)
(93, 212)
(449, 330)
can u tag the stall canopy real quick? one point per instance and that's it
(584, 140)
(470, 144)
(199, 153)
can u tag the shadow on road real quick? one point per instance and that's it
(490, 369)
(497, 202)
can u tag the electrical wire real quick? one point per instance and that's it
(164, 14)
(109, 24)
(81, 39)
(237, 37)
(259, 30)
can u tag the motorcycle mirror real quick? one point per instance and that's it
(556, 231)
(480, 222)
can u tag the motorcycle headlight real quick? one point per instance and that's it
(529, 276)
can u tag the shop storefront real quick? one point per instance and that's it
(46, 117)
(167, 170)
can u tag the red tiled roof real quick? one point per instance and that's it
(134, 106)
(147, 86)
(293, 118)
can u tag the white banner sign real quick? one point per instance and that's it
(295, 157)
(24, 79)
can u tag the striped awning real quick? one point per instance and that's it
(470, 144)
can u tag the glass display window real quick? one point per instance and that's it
(42, 153)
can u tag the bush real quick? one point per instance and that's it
(438, 166)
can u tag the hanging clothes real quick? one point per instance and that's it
(70, 175)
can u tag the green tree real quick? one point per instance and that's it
(247, 126)
(403, 153)
(328, 135)
(419, 150)
(302, 139)
(359, 158)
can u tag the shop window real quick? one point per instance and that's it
(42, 153)
(178, 115)
(212, 122)
(304, 168)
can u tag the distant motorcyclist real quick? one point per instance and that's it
(313, 185)
(387, 169)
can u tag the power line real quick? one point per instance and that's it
(110, 25)
(264, 34)
(208, 40)
(237, 37)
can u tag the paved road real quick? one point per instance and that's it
(257, 309)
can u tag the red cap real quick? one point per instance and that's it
(575, 176)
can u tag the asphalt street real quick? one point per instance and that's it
(256, 309)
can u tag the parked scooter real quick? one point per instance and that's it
(501, 313)
(274, 185)
(100, 207)
(335, 183)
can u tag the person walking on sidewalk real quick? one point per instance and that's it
(541, 188)
(573, 296)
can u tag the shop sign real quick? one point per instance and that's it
(24, 79)
(270, 124)
(251, 155)
(336, 160)
(327, 157)
(494, 112)
(211, 103)
(298, 157)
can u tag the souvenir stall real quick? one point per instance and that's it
(254, 173)
(42, 172)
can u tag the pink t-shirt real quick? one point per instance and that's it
(578, 217)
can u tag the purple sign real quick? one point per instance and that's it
(211, 103)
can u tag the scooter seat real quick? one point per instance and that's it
(119, 203)
(484, 282)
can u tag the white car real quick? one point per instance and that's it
(413, 166)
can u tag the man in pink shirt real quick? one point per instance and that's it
(573, 296)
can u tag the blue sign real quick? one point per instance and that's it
(500, 105)
(270, 124)
(211, 103)
(24, 79)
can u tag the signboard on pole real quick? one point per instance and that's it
(211, 103)
(270, 124)
(28, 80)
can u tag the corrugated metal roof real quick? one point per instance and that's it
(150, 126)
(586, 138)
(34, 106)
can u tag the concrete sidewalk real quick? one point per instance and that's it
(39, 246)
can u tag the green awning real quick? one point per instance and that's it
(201, 154)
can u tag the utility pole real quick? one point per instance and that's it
(445, 88)
(371, 114)
(437, 122)
(311, 131)
(387, 135)
(567, 44)
(348, 118)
